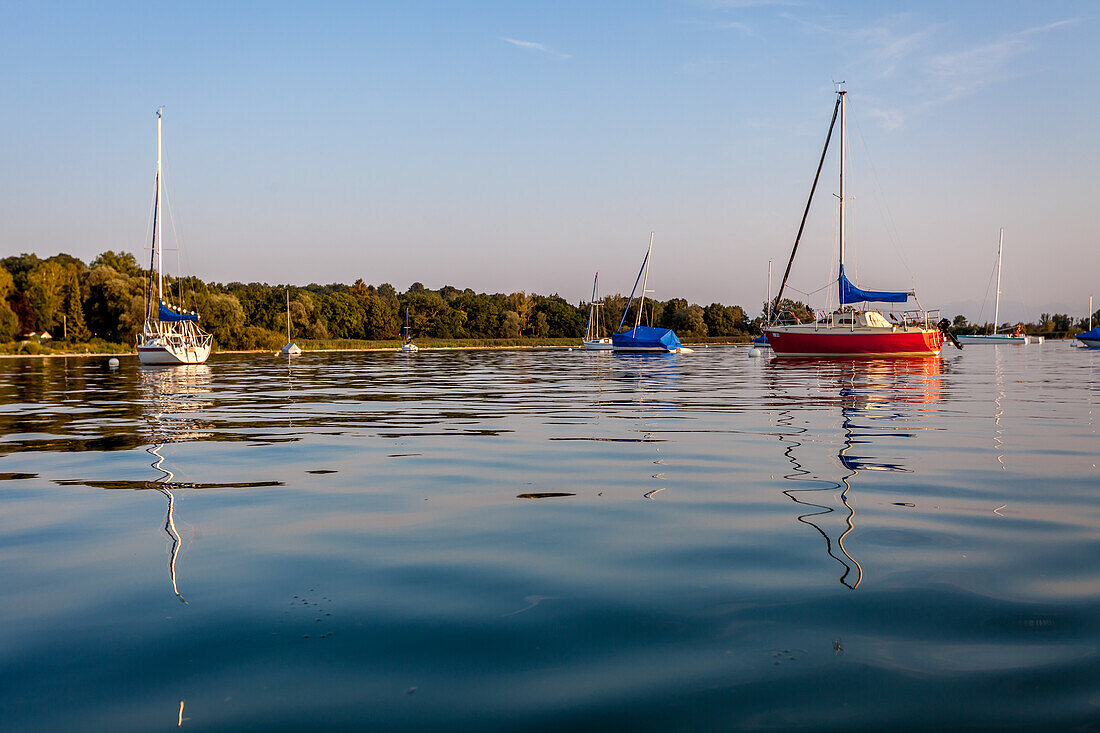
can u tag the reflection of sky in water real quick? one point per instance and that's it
(542, 538)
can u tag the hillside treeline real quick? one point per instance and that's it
(106, 299)
(104, 302)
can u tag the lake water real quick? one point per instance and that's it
(551, 540)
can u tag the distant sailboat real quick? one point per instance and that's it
(1000, 338)
(406, 336)
(593, 341)
(291, 348)
(1091, 337)
(169, 335)
(645, 338)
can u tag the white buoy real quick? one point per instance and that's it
(755, 353)
(112, 362)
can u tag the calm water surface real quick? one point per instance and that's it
(550, 540)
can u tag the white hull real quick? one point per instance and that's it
(410, 348)
(598, 345)
(994, 339)
(292, 350)
(155, 354)
(1090, 343)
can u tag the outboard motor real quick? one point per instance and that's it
(945, 329)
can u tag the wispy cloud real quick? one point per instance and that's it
(966, 71)
(896, 47)
(540, 48)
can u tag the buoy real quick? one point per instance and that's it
(112, 362)
(755, 352)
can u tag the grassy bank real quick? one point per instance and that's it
(61, 348)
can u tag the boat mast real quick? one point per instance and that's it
(645, 279)
(843, 139)
(768, 308)
(590, 332)
(997, 300)
(288, 314)
(159, 243)
(596, 303)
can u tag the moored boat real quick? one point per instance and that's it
(992, 339)
(852, 330)
(593, 340)
(1090, 339)
(641, 338)
(407, 345)
(291, 348)
(169, 335)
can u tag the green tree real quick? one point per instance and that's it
(121, 262)
(511, 325)
(46, 293)
(221, 314)
(9, 324)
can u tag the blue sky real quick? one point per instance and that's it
(521, 146)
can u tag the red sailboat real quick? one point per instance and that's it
(853, 330)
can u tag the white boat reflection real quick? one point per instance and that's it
(171, 400)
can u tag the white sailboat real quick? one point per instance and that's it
(291, 348)
(1017, 337)
(406, 336)
(169, 335)
(592, 339)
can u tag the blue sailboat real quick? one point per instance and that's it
(645, 338)
(1091, 338)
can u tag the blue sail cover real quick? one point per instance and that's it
(166, 314)
(1093, 335)
(851, 294)
(646, 337)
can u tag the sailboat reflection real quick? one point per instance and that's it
(170, 396)
(873, 396)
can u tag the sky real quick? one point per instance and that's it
(507, 146)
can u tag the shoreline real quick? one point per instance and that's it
(395, 349)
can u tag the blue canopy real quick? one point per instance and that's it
(851, 294)
(646, 337)
(167, 314)
(1093, 335)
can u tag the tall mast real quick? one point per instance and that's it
(288, 314)
(596, 301)
(590, 332)
(768, 309)
(645, 279)
(843, 141)
(160, 231)
(997, 300)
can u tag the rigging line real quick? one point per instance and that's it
(985, 298)
(880, 200)
(806, 212)
(176, 232)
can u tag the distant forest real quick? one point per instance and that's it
(103, 303)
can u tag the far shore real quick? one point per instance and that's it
(352, 349)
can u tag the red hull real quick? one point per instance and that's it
(839, 342)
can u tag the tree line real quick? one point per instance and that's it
(105, 301)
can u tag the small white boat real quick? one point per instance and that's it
(992, 339)
(592, 339)
(408, 346)
(291, 348)
(169, 335)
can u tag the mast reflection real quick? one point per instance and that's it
(867, 392)
(169, 398)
